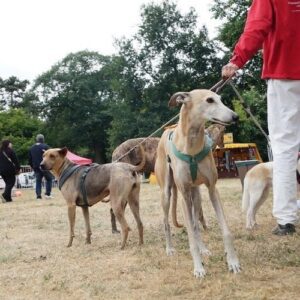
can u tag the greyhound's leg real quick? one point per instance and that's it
(174, 206)
(257, 196)
(191, 216)
(118, 210)
(71, 215)
(114, 228)
(232, 259)
(201, 216)
(165, 202)
(135, 208)
(86, 215)
(196, 196)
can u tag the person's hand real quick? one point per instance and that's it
(229, 70)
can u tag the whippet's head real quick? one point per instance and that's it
(204, 105)
(53, 159)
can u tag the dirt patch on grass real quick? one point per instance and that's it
(35, 263)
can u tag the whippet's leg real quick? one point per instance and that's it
(135, 208)
(191, 216)
(232, 259)
(201, 216)
(174, 206)
(118, 209)
(86, 215)
(196, 196)
(257, 205)
(71, 215)
(114, 228)
(165, 202)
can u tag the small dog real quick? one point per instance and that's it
(257, 183)
(85, 187)
(181, 165)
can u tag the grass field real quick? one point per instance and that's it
(35, 263)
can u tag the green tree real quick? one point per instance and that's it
(12, 91)
(74, 97)
(21, 128)
(168, 53)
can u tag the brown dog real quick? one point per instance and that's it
(135, 156)
(118, 180)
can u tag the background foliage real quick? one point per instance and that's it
(91, 102)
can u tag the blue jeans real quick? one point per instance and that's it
(38, 185)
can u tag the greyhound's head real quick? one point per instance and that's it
(204, 105)
(53, 159)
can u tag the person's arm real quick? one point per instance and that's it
(15, 161)
(258, 24)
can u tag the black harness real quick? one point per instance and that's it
(66, 174)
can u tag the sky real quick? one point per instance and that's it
(36, 34)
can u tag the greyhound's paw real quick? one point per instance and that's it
(199, 273)
(114, 231)
(205, 251)
(170, 251)
(234, 265)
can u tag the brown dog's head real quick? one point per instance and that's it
(53, 158)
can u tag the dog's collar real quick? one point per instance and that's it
(192, 160)
(66, 174)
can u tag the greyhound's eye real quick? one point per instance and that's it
(210, 100)
(52, 156)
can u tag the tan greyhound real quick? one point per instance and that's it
(118, 180)
(188, 138)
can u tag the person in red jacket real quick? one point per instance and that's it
(274, 25)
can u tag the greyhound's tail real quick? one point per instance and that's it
(174, 207)
(141, 165)
(246, 196)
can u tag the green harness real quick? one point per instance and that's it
(192, 160)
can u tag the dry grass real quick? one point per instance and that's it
(35, 263)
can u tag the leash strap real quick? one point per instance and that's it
(82, 186)
(192, 160)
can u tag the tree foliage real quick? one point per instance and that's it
(74, 97)
(169, 53)
(20, 128)
(12, 91)
(91, 102)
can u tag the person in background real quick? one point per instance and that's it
(9, 167)
(35, 158)
(274, 26)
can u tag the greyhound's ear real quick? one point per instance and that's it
(179, 98)
(63, 151)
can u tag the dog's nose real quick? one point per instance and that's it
(42, 166)
(235, 118)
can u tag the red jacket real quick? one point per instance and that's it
(275, 25)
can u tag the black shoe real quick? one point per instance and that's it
(284, 229)
(38, 197)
